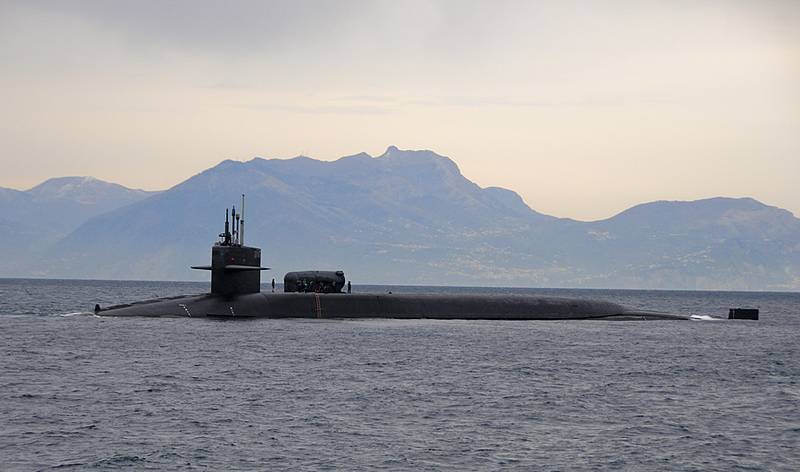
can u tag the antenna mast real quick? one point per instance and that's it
(238, 234)
(234, 222)
(227, 234)
(241, 223)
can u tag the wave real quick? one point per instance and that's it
(703, 318)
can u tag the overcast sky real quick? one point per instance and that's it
(583, 108)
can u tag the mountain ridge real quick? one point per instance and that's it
(412, 217)
(41, 215)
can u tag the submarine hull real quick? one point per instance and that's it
(398, 306)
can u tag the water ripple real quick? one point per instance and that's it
(86, 393)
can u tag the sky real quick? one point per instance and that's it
(584, 108)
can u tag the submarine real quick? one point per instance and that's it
(236, 294)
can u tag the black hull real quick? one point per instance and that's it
(396, 306)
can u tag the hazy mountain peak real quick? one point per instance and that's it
(717, 219)
(59, 205)
(231, 163)
(706, 208)
(395, 152)
(10, 192)
(359, 156)
(58, 184)
(422, 160)
(85, 190)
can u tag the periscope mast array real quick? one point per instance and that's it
(234, 228)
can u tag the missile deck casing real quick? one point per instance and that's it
(380, 305)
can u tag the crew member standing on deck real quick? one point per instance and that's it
(273, 285)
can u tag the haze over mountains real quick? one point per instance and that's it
(35, 219)
(405, 217)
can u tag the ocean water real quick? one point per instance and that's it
(78, 392)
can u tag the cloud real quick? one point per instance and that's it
(316, 109)
(664, 93)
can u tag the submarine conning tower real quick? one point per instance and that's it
(235, 268)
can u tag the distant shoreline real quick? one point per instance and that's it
(399, 287)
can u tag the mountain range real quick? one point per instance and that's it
(405, 217)
(37, 218)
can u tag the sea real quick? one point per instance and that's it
(80, 392)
